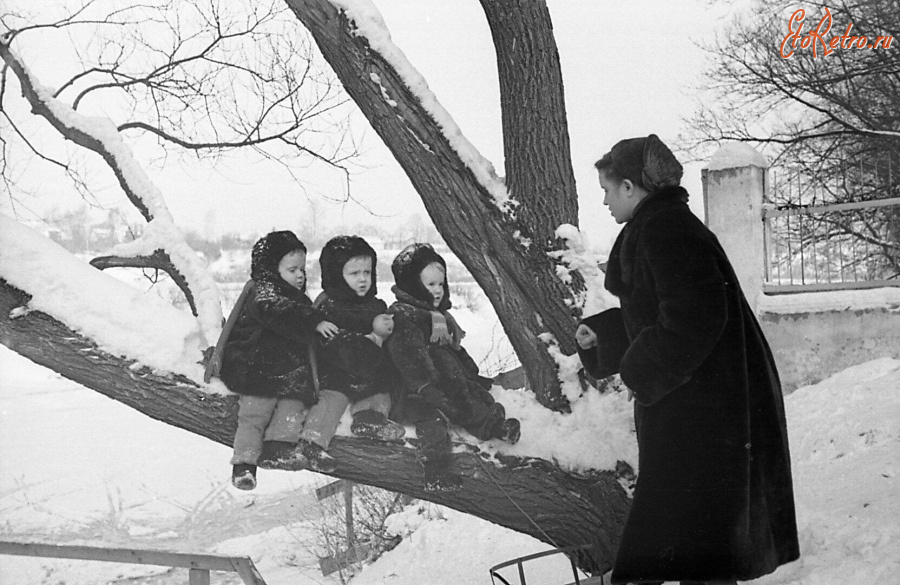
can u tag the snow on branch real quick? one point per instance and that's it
(101, 136)
(579, 256)
(568, 367)
(371, 26)
(121, 319)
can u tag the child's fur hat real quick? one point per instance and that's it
(408, 266)
(335, 254)
(268, 252)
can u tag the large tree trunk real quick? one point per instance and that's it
(531, 496)
(519, 280)
(535, 138)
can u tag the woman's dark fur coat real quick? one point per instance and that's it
(351, 363)
(267, 353)
(714, 497)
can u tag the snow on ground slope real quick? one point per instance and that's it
(845, 445)
(78, 467)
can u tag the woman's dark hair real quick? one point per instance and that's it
(608, 168)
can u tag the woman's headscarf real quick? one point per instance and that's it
(646, 162)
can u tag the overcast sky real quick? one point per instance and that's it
(629, 68)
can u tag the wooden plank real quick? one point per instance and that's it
(245, 568)
(348, 515)
(595, 580)
(198, 577)
(119, 555)
(343, 559)
(331, 489)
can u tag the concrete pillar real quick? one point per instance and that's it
(734, 188)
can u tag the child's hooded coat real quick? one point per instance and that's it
(351, 363)
(419, 361)
(267, 353)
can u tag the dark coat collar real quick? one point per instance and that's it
(404, 297)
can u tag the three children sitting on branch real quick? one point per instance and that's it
(298, 365)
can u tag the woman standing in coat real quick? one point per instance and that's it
(713, 501)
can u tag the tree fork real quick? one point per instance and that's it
(528, 495)
(525, 293)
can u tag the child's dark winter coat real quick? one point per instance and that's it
(351, 363)
(267, 353)
(444, 375)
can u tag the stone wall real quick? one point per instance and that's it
(811, 346)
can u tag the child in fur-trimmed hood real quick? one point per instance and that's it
(441, 379)
(267, 357)
(354, 368)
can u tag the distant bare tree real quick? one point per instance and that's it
(830, 121)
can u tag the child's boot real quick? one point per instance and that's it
(372, 424)
(319, 459)
(284, 453)
(484, 381)
(243, 476)
(438, 478)
(509, 430)
(487, 421)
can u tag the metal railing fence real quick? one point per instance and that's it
(818, 237)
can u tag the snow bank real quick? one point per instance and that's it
(845, 446)
(845, 449)
(122, 320)
(443, 546)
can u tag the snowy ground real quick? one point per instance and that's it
(77, 467)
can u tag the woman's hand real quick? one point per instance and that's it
(585, 337)
(327, 329)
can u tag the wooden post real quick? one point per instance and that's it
(351, 554)
(198, 577)
(348, 504)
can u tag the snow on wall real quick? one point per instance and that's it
(734, 155)
(887, 298)
(814, 335)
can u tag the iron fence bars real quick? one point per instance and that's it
(823, 236)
